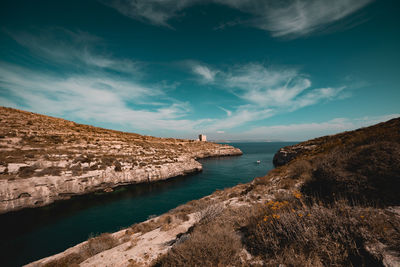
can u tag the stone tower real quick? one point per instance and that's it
(202, 137)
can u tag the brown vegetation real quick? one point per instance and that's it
(210, 244)
(368, 173)
(29, 138)
(93, 246)
(336, 218)
(337, 235)
(327, 207)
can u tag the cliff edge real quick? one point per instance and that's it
(335, 203)
(45, 159)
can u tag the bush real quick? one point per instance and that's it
(208, 245)
(366, 174)
(118, 166)
(99, 244)
(296, 235)
(70, 260)
(94, 246)
(55, 171)
(26, 171)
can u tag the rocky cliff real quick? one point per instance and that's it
(44, 159)
(388, 131)
(296, 215)
(285, 154)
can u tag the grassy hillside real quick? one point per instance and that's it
(37, 145)
(334, 204)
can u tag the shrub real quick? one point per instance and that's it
(118, 166)
(299, 168)
(70, 260)
(53, 170)
(76, 170)
(370, 173)
(94, 246)
(26, 171)
(297, 235)
(99, 244)
(208, 245)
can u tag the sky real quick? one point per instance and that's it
(231, 69)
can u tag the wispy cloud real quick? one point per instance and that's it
(109, 91)
(100, 99)
(267, 87)
(204, 72)
(265, 92)
(305, 131)
(295, 18)
(65, 47)
(291, 18)
(228, 112)
(105, 91)
(101, 92)
(242, 115)
(156, 12)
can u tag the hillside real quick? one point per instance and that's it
(44, 159)
(334, 202)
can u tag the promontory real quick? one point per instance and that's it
(44, 159)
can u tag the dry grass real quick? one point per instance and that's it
(26, 171)
(210, 244)
(293, 234)
(55, 171)
(30, 137)
(93, 246)
(365, 174)
(71, 260)
(164, 222)
(333, 221)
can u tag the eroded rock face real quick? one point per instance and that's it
(44, 159)
(288, 153)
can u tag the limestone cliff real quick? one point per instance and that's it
(44, 159)
(288, 153)
(283, 213)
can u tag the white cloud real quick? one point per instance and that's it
(305, 131)
(228, 112)
(61, 46)
(275, 88)
(241, 116)
(292, 18)
(156, 12)
(96, 99)
(205, 72)
(295, 18)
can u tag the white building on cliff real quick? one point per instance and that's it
(202, 137)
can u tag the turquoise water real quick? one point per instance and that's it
(32, 234)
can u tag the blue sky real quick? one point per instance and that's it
(234, 70)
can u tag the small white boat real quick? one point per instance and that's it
(258, 161)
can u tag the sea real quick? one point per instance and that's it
(32, 234)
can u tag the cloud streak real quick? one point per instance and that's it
(69, 48)
(88, 86)
(292, 19)
(305, 131)
(97, 88)
(204, 72)
(156, 12)
(91, 98)
(295, 18)
(275, 89)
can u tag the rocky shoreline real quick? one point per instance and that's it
(45, 159)
(221, 219)
(41, 191)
